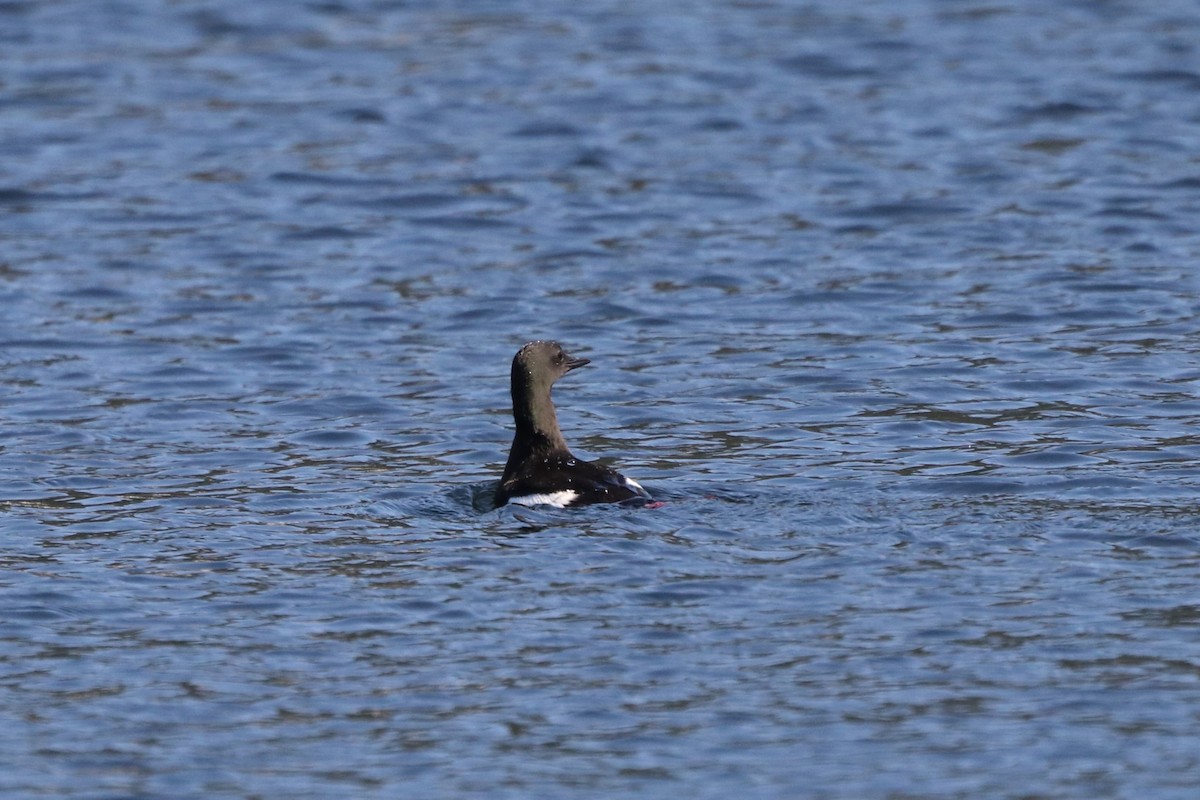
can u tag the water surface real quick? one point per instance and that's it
(893, 306)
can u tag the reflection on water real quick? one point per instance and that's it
(893, 307)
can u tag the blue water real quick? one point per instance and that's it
(894, 305)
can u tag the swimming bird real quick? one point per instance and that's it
(541, 469)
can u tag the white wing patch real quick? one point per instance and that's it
(557, 499)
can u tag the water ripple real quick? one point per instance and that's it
(891, 308)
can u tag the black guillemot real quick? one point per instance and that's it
(540, 468)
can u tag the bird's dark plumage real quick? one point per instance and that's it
(540, 468)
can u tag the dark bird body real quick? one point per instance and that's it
(541, 469)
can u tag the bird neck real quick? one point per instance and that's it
(537, 433)
(536, 419)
